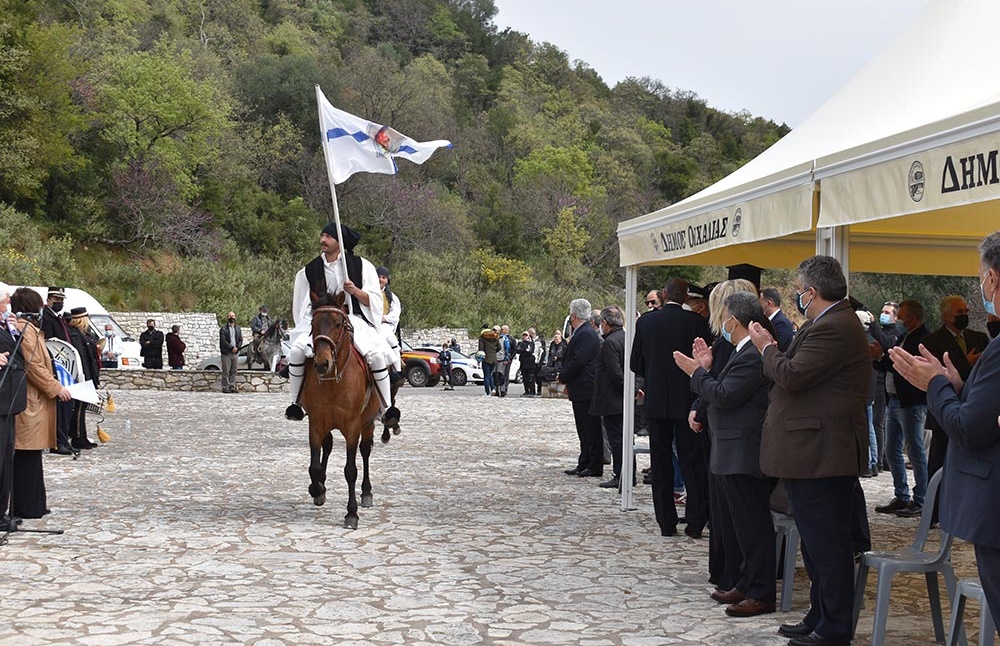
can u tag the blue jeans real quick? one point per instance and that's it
(906, 423)
(488, 377)
(872, 441)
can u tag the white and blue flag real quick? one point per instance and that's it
(355, 145)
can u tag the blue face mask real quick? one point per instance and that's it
(885, 319)
(726, 334)
(798, 302)
(988, 304)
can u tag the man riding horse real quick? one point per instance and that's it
(325, 274)
(259, 325)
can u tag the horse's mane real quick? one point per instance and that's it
(328, 299)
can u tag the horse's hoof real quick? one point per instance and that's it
(350, 522)
(366, 500)
(385, 436)
(396, 430)
(320, 500)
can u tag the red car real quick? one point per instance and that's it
(421, 367)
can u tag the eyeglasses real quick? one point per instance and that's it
(650, 302)
(890, 304)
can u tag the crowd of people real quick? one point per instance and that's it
(761, 415)
(538, 361)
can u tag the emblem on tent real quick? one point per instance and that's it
(737, 222)
(916, 181)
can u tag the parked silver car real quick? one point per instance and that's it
(214, 362)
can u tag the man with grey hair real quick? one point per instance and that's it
(968, 412)
(816, 438)
(964, 347)
(667, 401)
(609, 387)
(577, 373)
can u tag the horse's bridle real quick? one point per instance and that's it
(346, 328)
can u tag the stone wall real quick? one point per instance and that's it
(256, 381)
(199, 330)
(434, 337)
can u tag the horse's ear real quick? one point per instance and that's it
(339, 299)
(313, 297)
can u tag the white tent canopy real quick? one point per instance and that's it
(931, 89)
(897, 172)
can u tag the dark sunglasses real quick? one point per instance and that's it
(650, 302)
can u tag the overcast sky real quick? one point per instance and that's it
(779, 59)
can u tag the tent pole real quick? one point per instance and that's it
(628, 396)
(836, 242)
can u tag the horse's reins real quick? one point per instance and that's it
(345, 328)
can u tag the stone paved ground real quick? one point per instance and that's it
(195, 527)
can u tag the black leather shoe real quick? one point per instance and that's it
(295, 413)
(668, 532)
(590, 473)
(572, 472)
(815, 639)
(912, 510)
(794, 630)
(613, 483)
(62, 450)
(894, 505)
(692, 533)
(391, 417)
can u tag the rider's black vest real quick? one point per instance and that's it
(316, 275)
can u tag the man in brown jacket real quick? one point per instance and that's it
(816, 438)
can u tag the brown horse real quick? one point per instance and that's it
(339, 393)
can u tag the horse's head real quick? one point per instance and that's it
(331, 334)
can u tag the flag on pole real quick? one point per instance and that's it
(356, 145)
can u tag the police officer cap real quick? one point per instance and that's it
(57, 291)
(351, 237)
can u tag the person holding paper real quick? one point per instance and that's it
(35, 427)
(86, 346)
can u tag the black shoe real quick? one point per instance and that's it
(912, 510)
(294, 412)
(62, 450)
(894, 505)
(815, 639)
(647, 479)
(668, 532)
(391, 417)
(82, 444)
(613, 483)
(590, 473)
(692, 533)
(572, 472)
(794, 630)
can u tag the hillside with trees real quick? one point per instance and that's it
(165, 154)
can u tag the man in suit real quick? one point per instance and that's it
(578, 371)
(968, 413)
(906, 412)
(816, 438)
(668, 400)
(737, 401)
(230, 340)
(13, 400)
(964, 346)
(770, 300)
(609, 387)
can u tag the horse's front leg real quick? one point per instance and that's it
(319, 456)
(366, 451)
(351, 475)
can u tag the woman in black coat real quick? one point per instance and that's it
(86, 345)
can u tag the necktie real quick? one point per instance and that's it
(960, 339)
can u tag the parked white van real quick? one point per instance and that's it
(129, 358)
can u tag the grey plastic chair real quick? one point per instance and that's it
(970, 588)
(909, 559)
(787, 536)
